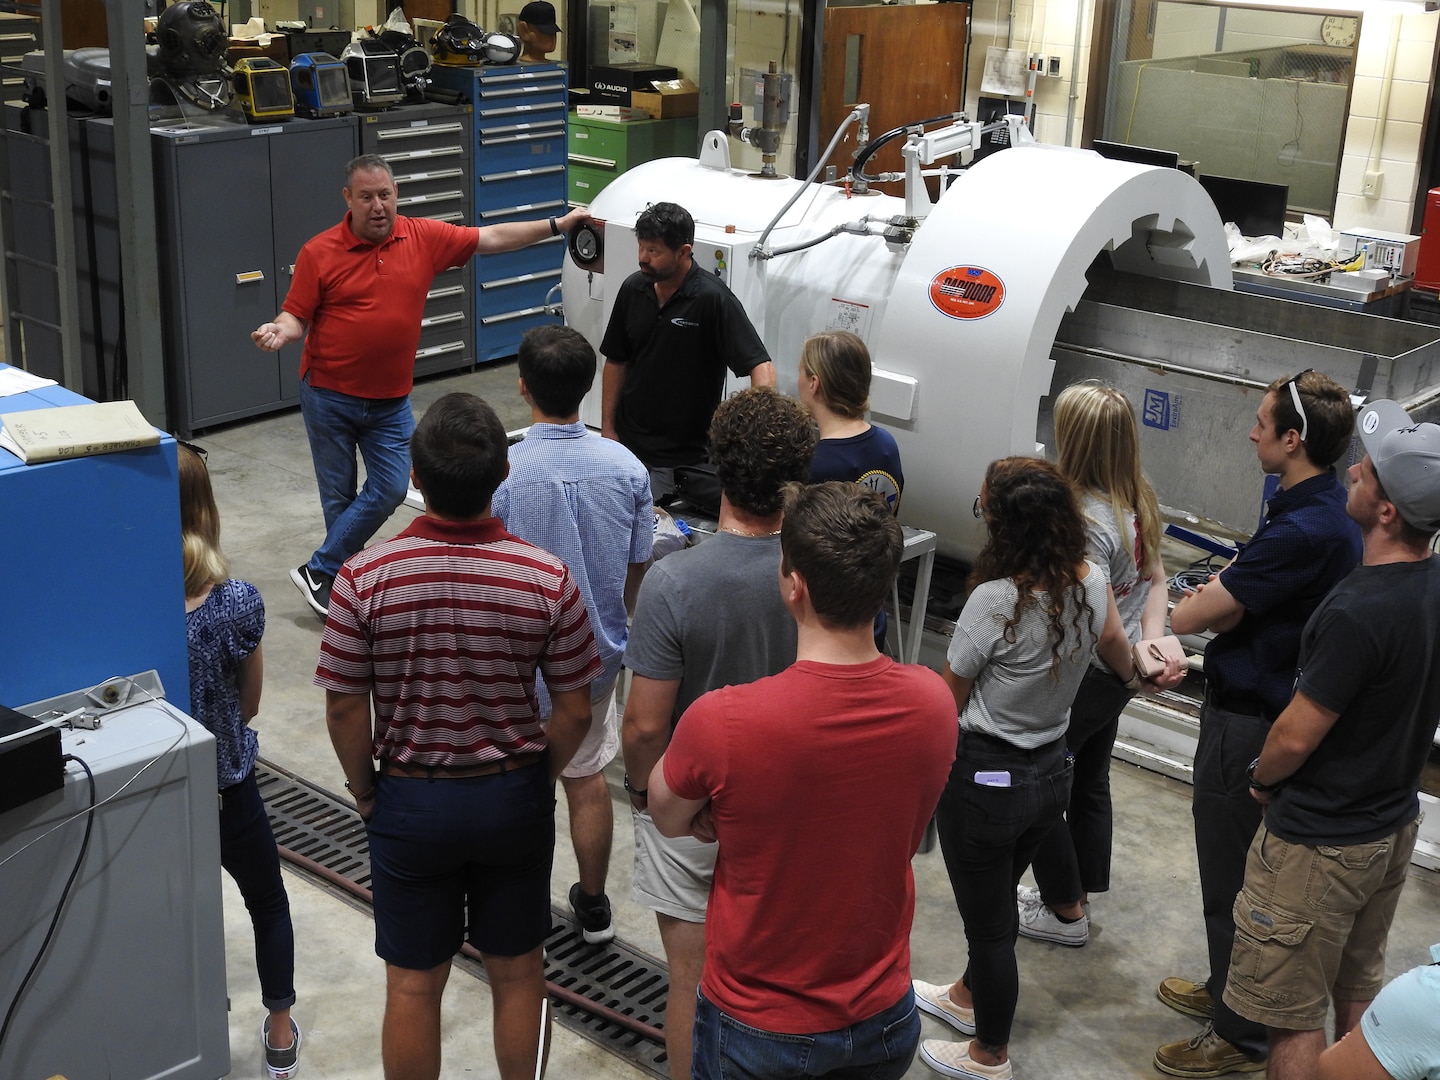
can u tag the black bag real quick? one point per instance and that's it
(699, 486)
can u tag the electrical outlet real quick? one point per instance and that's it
(1371, 186)
(1054, 68)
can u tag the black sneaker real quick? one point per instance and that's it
(593, 915)
(315, 586)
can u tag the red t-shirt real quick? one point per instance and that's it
(445, 627)
(364, 302)
(821, 780)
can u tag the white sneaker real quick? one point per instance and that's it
(1026, 894)
(935, 1000)
(1039, 922)
(953, 1059)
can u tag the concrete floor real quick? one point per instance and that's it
(1084, 1014)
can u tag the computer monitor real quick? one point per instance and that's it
(1140, 155)
(1256, 208)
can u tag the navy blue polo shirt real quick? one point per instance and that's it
(1305, 545)
(675, 359)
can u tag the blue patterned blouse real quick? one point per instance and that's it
(222, 632)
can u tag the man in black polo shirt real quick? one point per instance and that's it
(1257, 606)
(673, 332)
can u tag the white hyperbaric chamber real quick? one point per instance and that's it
(960, 321)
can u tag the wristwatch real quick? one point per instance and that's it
(1132, 683)
(633, 790)
(1256, 785)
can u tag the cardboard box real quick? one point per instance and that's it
(612, 84)
(668, 99)
(274, 46)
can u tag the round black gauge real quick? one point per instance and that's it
(585, 244)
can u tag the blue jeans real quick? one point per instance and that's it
(249, 855)
(879, 1047)
(988, 836)
(338, 425)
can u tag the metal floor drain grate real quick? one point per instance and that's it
(602, 992)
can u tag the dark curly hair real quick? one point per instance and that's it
(760, 441)
(1037, 540)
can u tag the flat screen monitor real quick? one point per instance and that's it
(1256, 208)
(1140, 155)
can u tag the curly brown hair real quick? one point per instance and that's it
(1037, 540)
(760, 441)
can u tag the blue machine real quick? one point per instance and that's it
(91, 585)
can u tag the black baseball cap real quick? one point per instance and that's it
(541, 15)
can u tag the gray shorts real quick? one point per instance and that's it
(672, 876)
(602, 741)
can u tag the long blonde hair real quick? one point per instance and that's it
(204, 563)
(1099, 449)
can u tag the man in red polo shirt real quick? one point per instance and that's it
(443, 629)
(356, 297)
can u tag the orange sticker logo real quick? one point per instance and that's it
(966, 292)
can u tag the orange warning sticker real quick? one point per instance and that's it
(966, 292)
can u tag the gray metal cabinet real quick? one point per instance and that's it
(235, 205)
(428, 148)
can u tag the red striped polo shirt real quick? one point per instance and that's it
(444, 626)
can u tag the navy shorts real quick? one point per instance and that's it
(461, 859)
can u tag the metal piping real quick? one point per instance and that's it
(860, 113)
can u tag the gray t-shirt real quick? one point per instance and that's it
(1116, 547)
(1014, 698)
(712, 616)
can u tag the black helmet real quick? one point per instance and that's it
(191, 40)
(459, 43)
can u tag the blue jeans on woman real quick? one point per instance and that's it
(880, 1047)
(249, 855)
(988, 835)
(338, 425)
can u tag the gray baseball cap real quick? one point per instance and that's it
(1406, 456)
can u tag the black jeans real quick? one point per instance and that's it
(1074, 857)
(988, 836)
(249, 855)
(1226, 820)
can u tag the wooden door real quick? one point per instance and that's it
(907, 61)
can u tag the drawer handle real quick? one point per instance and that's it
(419, 131)
(520, 110)
(441, 320)
(511, 315)
(434, 196)
(252, 277)
(449, 290)
(529, 136)
(596, 162)
(503, 283)
(524, 208)
(453, 215)
(439, 350)
(516, 174)
(438, 174)
(544, 127)
(416, 155)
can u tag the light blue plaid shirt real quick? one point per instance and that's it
(586, 500)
